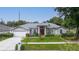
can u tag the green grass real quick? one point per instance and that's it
(44, 39)
(3, 38)
(57, 47)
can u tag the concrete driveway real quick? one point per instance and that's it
(9, 44)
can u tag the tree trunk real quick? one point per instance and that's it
(77, 33)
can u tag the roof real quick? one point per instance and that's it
(4, 28)
(34, 25)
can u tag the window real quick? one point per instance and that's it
(61, 31)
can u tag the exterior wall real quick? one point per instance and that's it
(33, 31)
(56, 31)
(47, 31)
(38, 30)
(51, 31)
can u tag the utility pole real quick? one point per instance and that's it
(19, 15)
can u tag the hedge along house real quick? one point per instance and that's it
(40, 29)
(4, 29)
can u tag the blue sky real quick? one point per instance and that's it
(27, 13)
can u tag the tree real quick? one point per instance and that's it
(20, 22)
(70, 12)
(56, 20)
(36, 22)
(69, 23)
(11, 24)
(16, 23)
(2, 22)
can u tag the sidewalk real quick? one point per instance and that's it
(50, 42)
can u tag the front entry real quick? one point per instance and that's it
(41, 30)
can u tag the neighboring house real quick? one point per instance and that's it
(4, 29)
(40, 29)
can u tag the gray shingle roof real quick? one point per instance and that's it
(34, 25)
(4, 28)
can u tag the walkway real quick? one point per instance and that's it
(51, 43)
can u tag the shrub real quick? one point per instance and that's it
(6, 35)
(35, 34)
(70, 38)
(53, 35)
(23, 47)
(68, 34)
(27, 35)
(50, 35)
(16, 47)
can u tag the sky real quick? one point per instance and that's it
(39, 14)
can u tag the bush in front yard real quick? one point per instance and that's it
(6, 35)
(50, 35)
(23, 47)
(27, 35)
(68, 34)
(35, 35)
(16, 47)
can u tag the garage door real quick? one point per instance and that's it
(19, 34)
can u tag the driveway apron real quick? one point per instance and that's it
(9, 44)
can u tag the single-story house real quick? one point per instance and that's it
(39, 28)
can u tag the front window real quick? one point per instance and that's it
(48, 31)
(61, 31)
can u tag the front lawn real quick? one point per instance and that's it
(54, 38)
(5, 36)
(43, 39)
(58, 47)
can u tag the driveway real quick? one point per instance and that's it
(9, 44)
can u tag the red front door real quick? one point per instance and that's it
(41, 30)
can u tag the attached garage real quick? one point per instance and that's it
(20, 32)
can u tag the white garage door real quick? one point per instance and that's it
(19, 34)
